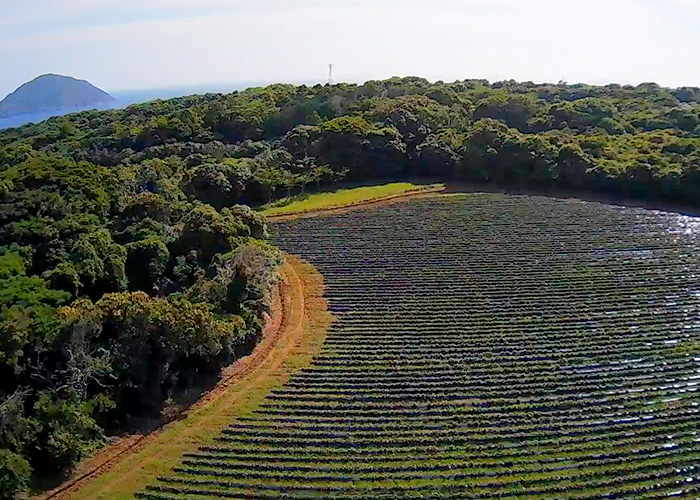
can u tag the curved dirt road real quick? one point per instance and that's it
(293, 333)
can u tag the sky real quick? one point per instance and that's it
(135, 44)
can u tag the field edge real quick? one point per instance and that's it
(417, 192)
(302, 331)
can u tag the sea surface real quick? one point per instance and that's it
(125, 98)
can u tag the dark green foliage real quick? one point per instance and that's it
(441, 154)
(219, 184)
(65, 430)
(131, 264)
(147, 261)
(249, 147)
(208, 232)
(496, 153)
(351, 144)
(27, 309)
(84, 219)
(155, 344)
(15, 473)
(515, 110)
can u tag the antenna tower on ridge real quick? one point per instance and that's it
(330, 74)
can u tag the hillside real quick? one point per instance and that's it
(133, 268)
(637, 141)
(52, 93)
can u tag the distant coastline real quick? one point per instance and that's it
(124, 98)
(24, 119)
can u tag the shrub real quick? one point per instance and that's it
(15, 473)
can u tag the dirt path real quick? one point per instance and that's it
(292, 335)
(423, 193)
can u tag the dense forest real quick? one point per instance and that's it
(132, 267)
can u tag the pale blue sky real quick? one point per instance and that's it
(130, 44)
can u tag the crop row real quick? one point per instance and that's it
(484, 346)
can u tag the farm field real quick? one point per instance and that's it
(485, 346)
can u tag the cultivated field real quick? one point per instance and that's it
(486, 346)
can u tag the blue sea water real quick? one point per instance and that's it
(126, 97)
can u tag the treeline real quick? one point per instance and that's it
(121, 295)
(131, 268)
(251, 146)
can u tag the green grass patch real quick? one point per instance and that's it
(341, 198)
